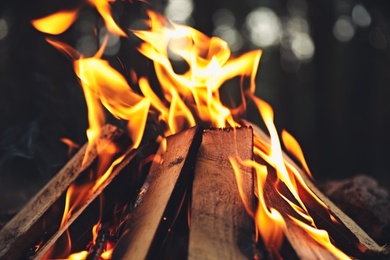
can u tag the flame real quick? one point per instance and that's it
(295, 149)
(321, 237)
(269, 222)
(188, 98)
(71, 145)
(78, 256)
(104, 9)
(209, 64)
(56, 23)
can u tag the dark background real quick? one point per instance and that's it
(336, 103)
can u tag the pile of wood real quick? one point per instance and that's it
(176, 201)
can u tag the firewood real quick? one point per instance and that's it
(220, 226)
(150, 222)
(36, 218)
(115, 192)
(303, 244)
(355, 239)
(129, 155)
(366, 201)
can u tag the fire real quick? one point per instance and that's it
(188, 98)
(56, 23)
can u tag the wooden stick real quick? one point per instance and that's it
(105, 205)
(353, 237)
(31, 222)
(150, 222)
(220, 225)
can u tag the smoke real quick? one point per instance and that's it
(28, 158)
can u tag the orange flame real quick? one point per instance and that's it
(189, 97)
(295, 149)
(71, 145)
(322, 237)
(78, 256)
(104, 9)
(56, 23)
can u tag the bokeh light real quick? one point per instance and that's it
(343, 29)
(179, 11)
(361, 16)
(3, 29)
(302, 46)
(264, 27)
(224, 28)
(378, 39)
(113, 43)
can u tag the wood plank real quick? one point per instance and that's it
(160, 202)
(348, 234)
(28, 226)
(220, 225)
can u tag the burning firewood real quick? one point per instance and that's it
(120, 187)
(42, 215)
(166, 184)
(220, 227)
(346, 233)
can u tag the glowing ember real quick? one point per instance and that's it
(187, 99)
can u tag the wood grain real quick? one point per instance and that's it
(220, 226)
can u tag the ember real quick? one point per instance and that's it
(246, 198)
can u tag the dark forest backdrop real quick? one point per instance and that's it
(325, 70)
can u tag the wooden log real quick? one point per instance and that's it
(106, 205)
(348, 234)
(150, 222)
(34, 219)
(46, 251)
(220, 226)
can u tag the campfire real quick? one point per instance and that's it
(189, 176)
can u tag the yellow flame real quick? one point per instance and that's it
(79, 255)
(295, 149)
(56, 23)
(269, 222)
(104, 9)
(235, 162)
(321, 237)
(106, 255)
(210, 65)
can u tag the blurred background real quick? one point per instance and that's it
(325, 70)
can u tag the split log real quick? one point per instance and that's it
(220, 226)
(348, 235)
(32, 222)
(164, 189)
